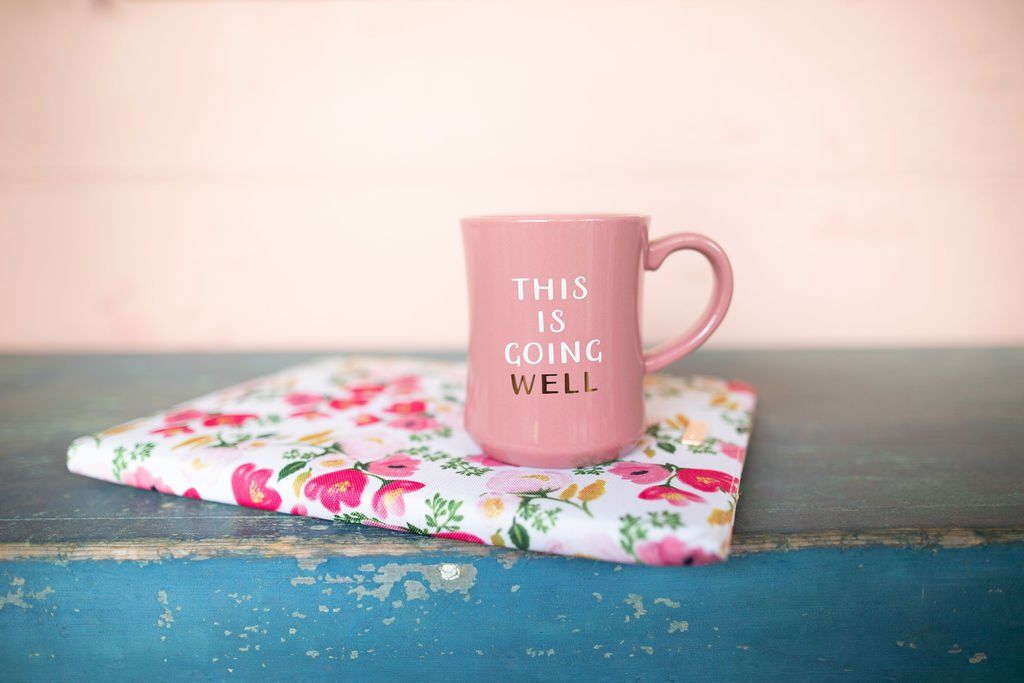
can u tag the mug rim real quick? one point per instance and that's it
(556, 218)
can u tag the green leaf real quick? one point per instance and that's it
(665, 446)
(351, 517)
(517, 533)
(290, 469)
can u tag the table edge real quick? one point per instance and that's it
(310, 552)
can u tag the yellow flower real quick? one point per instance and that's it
(720, 517)
(568, 492)
(299, 481)
(492, 506)
(333, 462)
(722, 401)
(118, 429)
(199, 464)
(592, 491)
(317, 438)
(195, 442)
(497, 540)
(649, 452)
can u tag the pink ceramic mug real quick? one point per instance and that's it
(556, 364)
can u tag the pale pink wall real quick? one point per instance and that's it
(237, 175)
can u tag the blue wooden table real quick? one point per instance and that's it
(880, 534)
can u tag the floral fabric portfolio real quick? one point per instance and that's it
(380, 441)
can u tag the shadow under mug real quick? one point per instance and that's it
(556, 362)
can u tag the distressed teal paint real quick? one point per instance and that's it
(866, 613)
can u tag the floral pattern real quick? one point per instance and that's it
(379, 442)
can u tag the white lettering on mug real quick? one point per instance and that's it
(552, 353)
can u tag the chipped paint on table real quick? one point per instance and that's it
(463, 616)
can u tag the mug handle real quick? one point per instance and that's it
(721, 294)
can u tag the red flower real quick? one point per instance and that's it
(250, 488)
(334, 488)
(672, 495)
(302, 400)
(228, 420)
(460, 536)
(408, 408)
(366, 391)
(184, 415)
(639, 473)
(388, 499)
(670, 551)
(708, 480)
(299, 509)
(740, 387)
(399, 465)
(192, 493)
(415, 423)
(363, 420)
(173, 430)
(346, 403)
(731, 450)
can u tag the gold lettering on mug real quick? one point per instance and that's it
(517, 387)
(549, 385)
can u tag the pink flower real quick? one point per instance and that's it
(488, 461)
(346, 403)
(406, 384)
(388, 499)
(670, 551)
(363, 420)
(731, 450)
(192, 493)
(173, 430)
(336, 488)
(184, 415)
(299, 509)
(302, 400)
(371, 445)
(639, 473)
(415, 423)
(250, 488)
(672, 495)
(381, 525)
(395, 466)
(708, 480)
(460, 536)
(229, 420)
(530, 481)
(141, 478)
(408, 408)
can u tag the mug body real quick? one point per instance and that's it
(555, 356)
